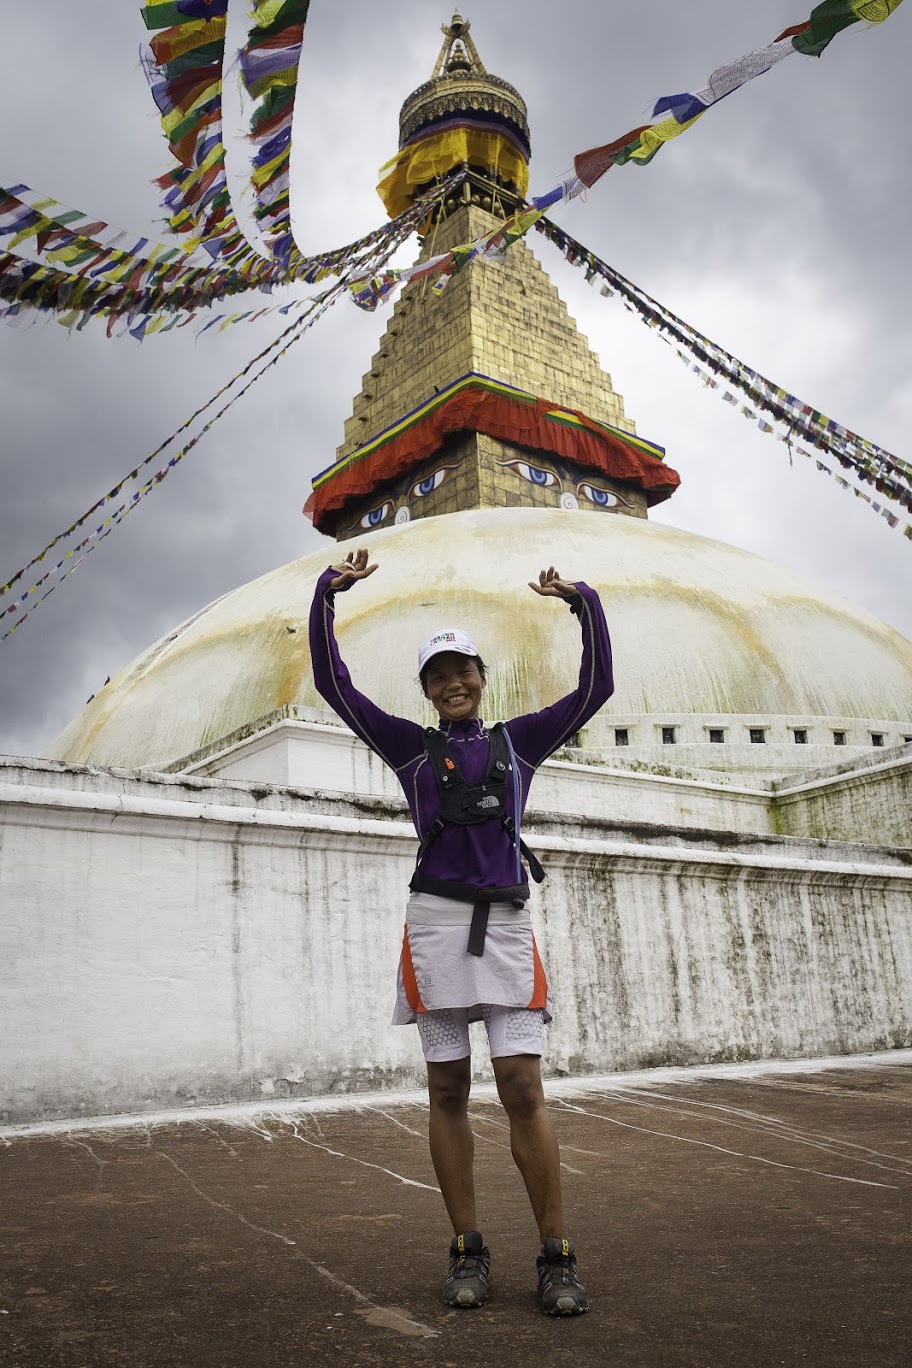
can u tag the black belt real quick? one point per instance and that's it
(480, 898)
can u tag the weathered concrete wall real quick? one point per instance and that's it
(869, 802)
(168, 941)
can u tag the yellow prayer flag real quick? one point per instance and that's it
(32, 230)
(874, 11)
(288, 76)
(170, 121)
(262, 173)
(265, 12)
(653, 138)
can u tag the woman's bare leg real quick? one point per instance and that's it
(452, 1143)
(532, 1138)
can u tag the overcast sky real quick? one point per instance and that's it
(779, 226)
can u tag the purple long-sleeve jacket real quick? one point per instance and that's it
(481, 855)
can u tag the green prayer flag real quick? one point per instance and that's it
(827, 20)
(164, 16)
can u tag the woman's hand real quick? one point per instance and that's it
(354, 567)
(550, 583)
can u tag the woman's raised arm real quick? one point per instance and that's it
(536, 735)
(395, 739)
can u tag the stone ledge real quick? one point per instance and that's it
(780, 855)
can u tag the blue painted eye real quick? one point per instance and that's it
(545, 479)
(602, 498)
(431, 482)
(376, 515)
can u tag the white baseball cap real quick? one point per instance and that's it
(447, 639)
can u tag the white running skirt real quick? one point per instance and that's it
(436, 970)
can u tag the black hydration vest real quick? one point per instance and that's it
(465, 804)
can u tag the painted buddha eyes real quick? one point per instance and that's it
(421, 488)
(545, 479)
(376, 515)
(536, 475)
(602, 498)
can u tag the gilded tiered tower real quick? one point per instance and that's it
(487, 395)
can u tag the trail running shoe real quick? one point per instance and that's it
(470, 1271)
(559, 1289)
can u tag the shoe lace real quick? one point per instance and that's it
(562, 1270)
(466, 1265)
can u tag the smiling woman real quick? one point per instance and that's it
(468, 950)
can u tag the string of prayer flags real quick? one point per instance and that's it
(641, 144)
(154, 292)
(785, 408)
(269, 67)
(723, 81)
(891, 518)
(89, 247)
(184, 69)
(140, 286)
(91, 542)
(786, 416)
(380, 247)
(889, 488)
(369, 291)
(113, 493)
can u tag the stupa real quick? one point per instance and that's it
(485, 439)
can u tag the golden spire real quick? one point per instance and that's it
(458, 53)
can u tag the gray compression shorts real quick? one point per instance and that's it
(511, 1031)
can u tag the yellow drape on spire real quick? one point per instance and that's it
(440, 153)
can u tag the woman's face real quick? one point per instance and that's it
(454, 684)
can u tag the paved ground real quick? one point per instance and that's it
(721, 1221)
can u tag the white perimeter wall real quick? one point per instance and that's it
(167, 941)
(866, 798)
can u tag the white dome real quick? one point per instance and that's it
(700, 630)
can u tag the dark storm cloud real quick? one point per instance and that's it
(777, 226)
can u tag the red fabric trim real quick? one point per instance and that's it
(289, 37)
(540, 983)
(409, 982)
(475, 409)
(793, 31)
